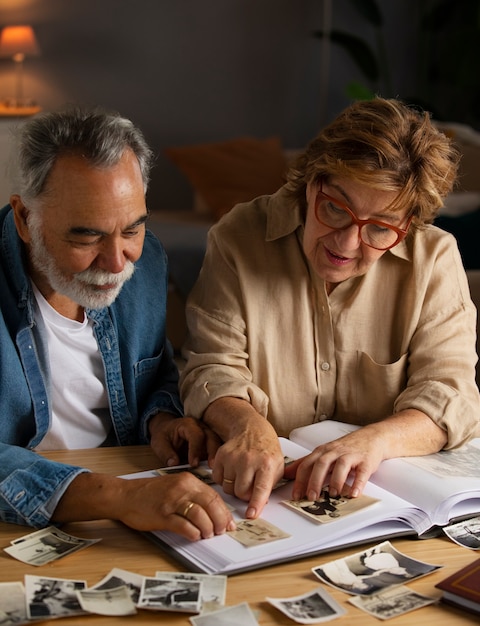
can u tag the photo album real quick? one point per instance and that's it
(414, 496)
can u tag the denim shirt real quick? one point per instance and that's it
(140, 374)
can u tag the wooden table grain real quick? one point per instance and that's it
(124, 548)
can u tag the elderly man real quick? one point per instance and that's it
(84, 359)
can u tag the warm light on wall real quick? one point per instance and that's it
(18, 42)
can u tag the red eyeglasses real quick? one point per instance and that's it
(379, 235)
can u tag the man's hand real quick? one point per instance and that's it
(177, 440)
(180, 503)
(250, 462)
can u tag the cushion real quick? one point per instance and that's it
(228, 172)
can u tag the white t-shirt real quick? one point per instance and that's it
(79, 400)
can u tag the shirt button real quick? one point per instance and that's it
(325, 366)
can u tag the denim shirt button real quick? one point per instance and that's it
(19, 495)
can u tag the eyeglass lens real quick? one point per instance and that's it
(374, 235)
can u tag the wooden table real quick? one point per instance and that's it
(124, 548)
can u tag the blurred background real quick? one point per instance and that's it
(193, 71)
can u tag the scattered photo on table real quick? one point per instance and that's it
(213, 590)
(114, 602)
(255, 532)
(13, 611)
(46, 545)
(313, 607)
(466, 533)
(373, 570)
(391, 602)
(52, 597)
(328, 508)
(239, 615)
(119, 577)
(167, 594)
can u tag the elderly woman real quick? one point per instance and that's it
(335, 298)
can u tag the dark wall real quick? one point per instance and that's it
(190, 71)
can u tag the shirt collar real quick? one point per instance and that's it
(284, 215)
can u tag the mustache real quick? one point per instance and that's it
(98, 277)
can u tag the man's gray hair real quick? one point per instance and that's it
(99, 136)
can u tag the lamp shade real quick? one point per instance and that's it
(18, 40)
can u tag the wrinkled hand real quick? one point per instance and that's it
(249, 465)
(357, 454)
(180, 503)
(177, 440)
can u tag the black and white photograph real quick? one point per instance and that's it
(52, 597)
(166, 594)
(328, 508)
(119, 577)
(255, 532)
(202, 472)
(466, 533)
(238, 615)
(213, 590)
(391, 602)
(313, 607)
(373, 570)
(116, 601)
(13, 611)
(46, 545)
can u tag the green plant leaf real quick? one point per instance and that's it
(357, 91)
(370, 11)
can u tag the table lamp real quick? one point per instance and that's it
(18, 42)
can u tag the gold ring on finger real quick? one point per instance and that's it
(228, 481)
(187, 509)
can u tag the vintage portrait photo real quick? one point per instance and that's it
(13, 611)
(119, 577)
(168, 594)
(313, 607)
(255, 532)
(52, 597)
(466, 533)
(46, 545)
(116, 601)
(373, 570)
(391, 602)
(213, 589)
(328, 508)
(238, 615)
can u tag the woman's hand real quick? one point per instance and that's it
(250, 462)
(356, 456)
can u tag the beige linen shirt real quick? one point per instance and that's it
(262, 328)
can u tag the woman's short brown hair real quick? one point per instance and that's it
(387, 145)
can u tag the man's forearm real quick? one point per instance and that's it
(90, 497)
